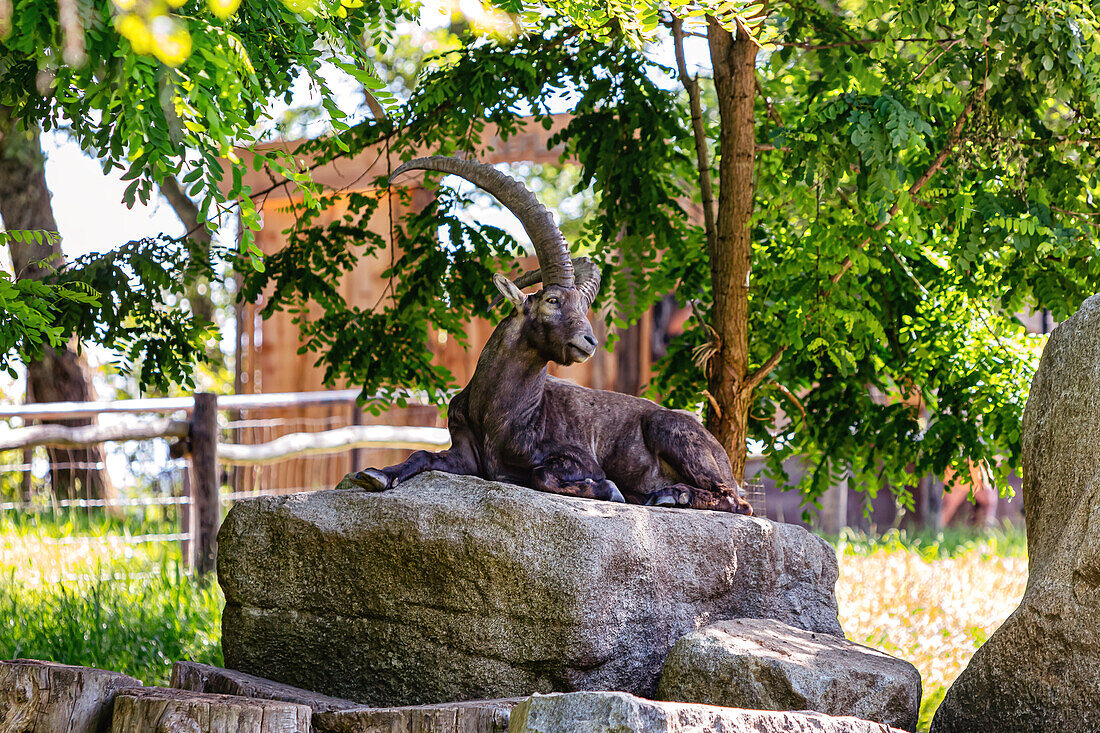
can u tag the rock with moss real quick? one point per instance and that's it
(454, 588)
(1038, 671)
(763, 664)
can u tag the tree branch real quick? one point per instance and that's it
(376, 108)
(773, 114)
(753, 379)
(860, 42)
(185, 209)
(757, 376)
(700, 135)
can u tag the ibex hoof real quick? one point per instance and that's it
(371, 479)
(662, 497)
(613, 493)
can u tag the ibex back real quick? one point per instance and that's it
(513, 422)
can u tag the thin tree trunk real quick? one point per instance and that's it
(59, 375)
(733, 60)
(202, 304)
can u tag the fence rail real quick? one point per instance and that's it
(198, 440)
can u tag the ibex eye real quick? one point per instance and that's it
(552, 301)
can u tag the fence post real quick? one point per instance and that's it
(205, 502)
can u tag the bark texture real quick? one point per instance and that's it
(60, 374)
(733, 59)
(44, 697)
(164, 710)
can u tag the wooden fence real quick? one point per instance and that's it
(196, 438)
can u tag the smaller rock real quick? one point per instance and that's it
(620, 712)
(762, 664)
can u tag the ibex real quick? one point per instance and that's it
(515, 423)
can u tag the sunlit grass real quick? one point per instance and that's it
(50, 547)
(73, 590)
(930, 599)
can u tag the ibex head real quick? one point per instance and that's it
(555, 318)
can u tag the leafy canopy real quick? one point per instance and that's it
(160, 91)
(925, 172)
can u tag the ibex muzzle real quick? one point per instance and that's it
(513, 422)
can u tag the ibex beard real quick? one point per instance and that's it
(515, 423)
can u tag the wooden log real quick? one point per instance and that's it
(78, 437)
(44, 697)
(164, 710)
(471, 716)
(205, 678)
(166, 405)
(331, 441)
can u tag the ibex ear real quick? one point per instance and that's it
(509, 290)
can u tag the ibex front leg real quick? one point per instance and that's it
(573, 476)
(459, 459)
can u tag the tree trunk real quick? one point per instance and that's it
(733, 60)
(202, 304)
(59, 375)
(144, 709)
(43, 697)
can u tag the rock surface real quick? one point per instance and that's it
(455, 588)
(762, 664)
(618, 712)
(1038, 672)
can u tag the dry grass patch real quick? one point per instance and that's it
(932, 600)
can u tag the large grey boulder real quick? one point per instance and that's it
(762, 664)
(618, 712)
(1039, 671)
(455, 588)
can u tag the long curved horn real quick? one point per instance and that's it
(550, 246)
(587, 277)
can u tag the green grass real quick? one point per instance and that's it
(1005, 540)
(131, 608)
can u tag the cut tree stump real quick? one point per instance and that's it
(206, 678)
(471, 716)
(164, 710)
(44, 697)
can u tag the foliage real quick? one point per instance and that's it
(180, 112)
(135, 626)
(930, 599)
(28, 308)
(924, 173)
